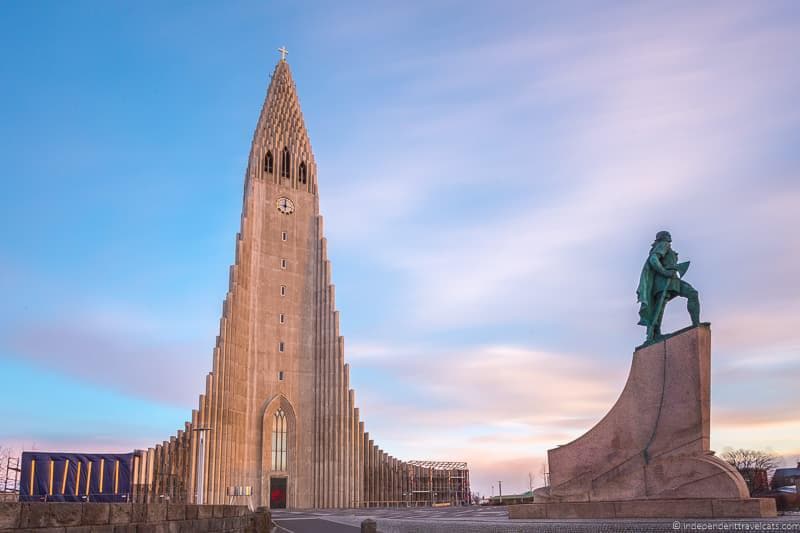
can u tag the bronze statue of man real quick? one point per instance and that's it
(660, 282)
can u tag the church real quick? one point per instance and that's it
(277, 424)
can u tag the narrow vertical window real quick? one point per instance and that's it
(301, 173)
(280, 375)
(268, 162)
(283, 264)
(286, 162)
(280, 346)
(281, 318)
(279, 440)
(284, 236)
(283, 290)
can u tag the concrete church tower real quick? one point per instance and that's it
(278, 358)
(277, 424)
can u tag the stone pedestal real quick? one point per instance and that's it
(650, 456)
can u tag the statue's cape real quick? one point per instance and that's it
(645, 293)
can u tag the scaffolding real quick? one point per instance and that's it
(447, 483)
(418, 484)
(9, 491)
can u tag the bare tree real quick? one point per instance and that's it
(743, 458)
(755, 466)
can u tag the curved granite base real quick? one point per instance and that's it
(653, 445)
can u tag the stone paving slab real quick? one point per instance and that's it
(616, 526)
(495, 520)
(313, 525)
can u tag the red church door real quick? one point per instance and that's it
(277, 493)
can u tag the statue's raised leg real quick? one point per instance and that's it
(693, 301)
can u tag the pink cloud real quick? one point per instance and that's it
(112, 352)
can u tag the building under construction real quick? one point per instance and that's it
(438, 483)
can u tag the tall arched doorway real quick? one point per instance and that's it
(278, 457)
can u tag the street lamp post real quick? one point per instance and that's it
(201, 461)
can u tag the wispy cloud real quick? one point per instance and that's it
(655, 133)
(123, 351)
(473, 404)
(498, 181)
(569, 151)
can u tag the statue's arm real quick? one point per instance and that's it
(655, 262)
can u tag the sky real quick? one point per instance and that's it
(491, 177)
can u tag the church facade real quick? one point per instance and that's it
(278, 424)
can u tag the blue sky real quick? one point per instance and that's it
(491, 179)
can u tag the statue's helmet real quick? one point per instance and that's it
(663, 236)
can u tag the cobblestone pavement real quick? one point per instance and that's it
(495, 520)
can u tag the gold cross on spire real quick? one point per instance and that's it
(283, 52)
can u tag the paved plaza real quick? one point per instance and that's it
(495, 520)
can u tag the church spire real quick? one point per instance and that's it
(281, 150)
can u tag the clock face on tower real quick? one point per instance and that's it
(285, 205)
